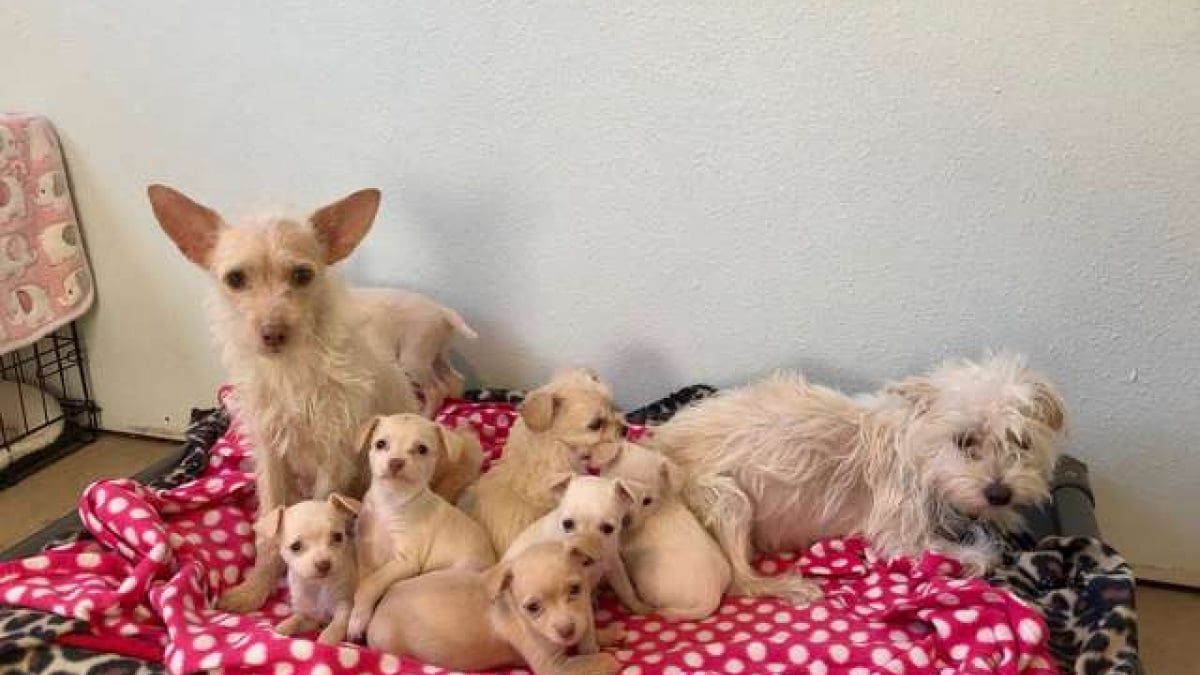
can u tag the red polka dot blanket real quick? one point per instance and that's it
(147, 583)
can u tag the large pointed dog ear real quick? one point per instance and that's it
(341, 225)
(364, 435)
(348, 506)
(270, 525)
(497, 580)
(193, 227)
(538, 409)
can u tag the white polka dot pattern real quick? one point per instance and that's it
(163, 556)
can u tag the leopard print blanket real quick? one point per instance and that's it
(1083, 587)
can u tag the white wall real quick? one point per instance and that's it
(677, 192)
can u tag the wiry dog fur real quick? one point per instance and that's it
(674, 564)
(316, 541)
(530, 610)
(779, 464)
(571, 415)
(307, 376)
(420, 329)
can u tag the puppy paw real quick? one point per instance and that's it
(243, 598)
(357, 628)
(610, 636)
(593, 664)
(331, 635)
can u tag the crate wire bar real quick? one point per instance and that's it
(56, 366)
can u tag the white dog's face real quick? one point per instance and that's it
(592, 507)
(315, 536)
(403, 448)
(986, 435)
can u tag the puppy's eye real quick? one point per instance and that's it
(302, 275)
(568, 525)
(596, 424)
(533, 607)
(235, 279)
(297, 546)
(574, 590)
(380, 444)
(422, 449)
(966, 441)
(337, 537)
(1019, 440)
(647, 501)
(607, 528)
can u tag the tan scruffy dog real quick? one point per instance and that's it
(316, 542)
(918, 466)
(307, 374)
(527, 611)
(405, 529)
(571, 415)
(589, 506)
(674, 564)
(421, 330)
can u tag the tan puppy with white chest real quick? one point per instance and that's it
(570, 416)
(316, 543)
(589, 506)
(406, 529)
(674, 563)
(529, 610)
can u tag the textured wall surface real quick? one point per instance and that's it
(677, 192)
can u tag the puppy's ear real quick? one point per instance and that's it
(1047, 405)
(452, 444)
(193, 227)
(342, 224)
(918, 391)
(270, 525)
(539, 408)
(497, 580)
(671, 475)
(557, 483)
(368, 431)
(348, 506)
(624, 492)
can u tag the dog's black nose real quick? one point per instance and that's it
(323, 566)
(273, 336)
(566, 632)
(998, 494)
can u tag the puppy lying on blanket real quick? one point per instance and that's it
(405, 529)
(589, 506)
(317, 545)
(673, 561)
(573, 413)
(528, 610)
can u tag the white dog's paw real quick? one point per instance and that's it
(357, 628)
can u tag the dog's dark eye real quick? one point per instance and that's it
(1019, 440)
(574, 590)
(533, 607)
(966, 441)
(568, 525)
(380, 443)
(235, 279)
(337, 537)
(297, 546)
(607, 528)
(647, 501)
(302, 275)
(422, 449)
(596, 424)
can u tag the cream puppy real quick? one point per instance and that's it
(589, 506)
(571, 415)
(529, 610)
(406, 529)
(672, 560)
(317, 545)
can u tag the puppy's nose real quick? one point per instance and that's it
(274, 335)
(395, 465)
(566, 631)
(323, 566)
(998, 494)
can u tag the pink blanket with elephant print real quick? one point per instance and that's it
(45, 281)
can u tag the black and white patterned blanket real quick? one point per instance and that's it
(1083, 587)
